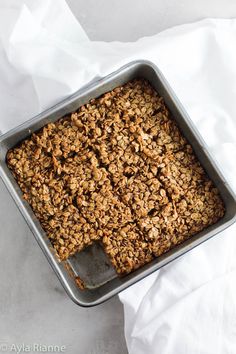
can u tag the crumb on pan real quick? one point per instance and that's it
(117, 170)
(80, 283)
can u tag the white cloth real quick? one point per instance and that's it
(190, 305)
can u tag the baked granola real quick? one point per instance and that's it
(117, 170)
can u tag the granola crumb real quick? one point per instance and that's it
(80, 283)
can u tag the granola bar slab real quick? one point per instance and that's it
(117, 170)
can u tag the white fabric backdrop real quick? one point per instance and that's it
(188, 307)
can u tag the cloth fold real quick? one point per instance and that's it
(190, 305)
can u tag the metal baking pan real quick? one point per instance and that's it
(92, 265)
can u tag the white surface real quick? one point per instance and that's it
(47, 78)
(130, 20)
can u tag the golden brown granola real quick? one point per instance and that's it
(117, 170)
(127, 248)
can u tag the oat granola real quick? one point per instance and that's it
(117, 170)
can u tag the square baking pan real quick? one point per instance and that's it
(92, 265)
